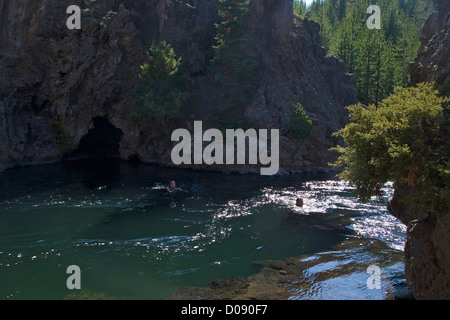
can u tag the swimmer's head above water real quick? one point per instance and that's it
(173, 187)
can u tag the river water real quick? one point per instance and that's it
(132, 240)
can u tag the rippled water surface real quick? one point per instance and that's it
(134, 241)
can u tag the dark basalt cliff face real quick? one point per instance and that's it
(433, 59)
(427, 250)
(56, 84)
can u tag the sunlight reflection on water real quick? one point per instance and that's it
(134, 230)
(321, 197)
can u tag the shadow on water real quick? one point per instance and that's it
(97, 173)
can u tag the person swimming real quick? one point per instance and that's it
(173, 188)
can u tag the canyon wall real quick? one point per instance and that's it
(66, 94)
(427, 250)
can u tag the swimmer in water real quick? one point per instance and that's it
(173, 187)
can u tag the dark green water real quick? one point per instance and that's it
(134, 241)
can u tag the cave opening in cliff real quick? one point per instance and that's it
(102, 141)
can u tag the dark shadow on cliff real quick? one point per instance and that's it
(100, 149)
(103, 141)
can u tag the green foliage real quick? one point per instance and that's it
(300, 8)
(404, 140)
(300, 126)
(161, 91)
(234, 65)
(378, 58)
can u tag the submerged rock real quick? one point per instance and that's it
(337, 274)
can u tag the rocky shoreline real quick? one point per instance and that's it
(325, 275)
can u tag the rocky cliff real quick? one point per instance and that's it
(427, 250)
(432, 62)
(66, 94)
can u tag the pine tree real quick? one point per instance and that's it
(300, 7)
(342, 9)
(404, 140)
(161, 91)
(234, 64)
(378, 58)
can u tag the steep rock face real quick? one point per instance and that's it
(54, 82)
(427, 249)
(432, 62)
(297, 69)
